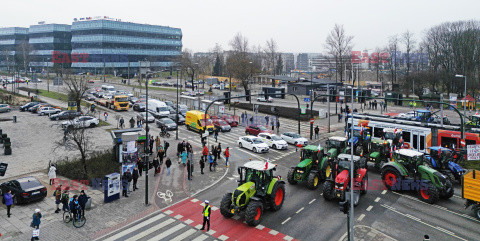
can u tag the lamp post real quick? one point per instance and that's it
(176, 111)
(464, 95)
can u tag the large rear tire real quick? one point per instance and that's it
(390, 177)
(313, 180)
(290, 176)
(476, 210)
(364, 184)
(254, 213)
(225, 205)
(449, 191)
(428, 194)
(328, 188)
(277, 197)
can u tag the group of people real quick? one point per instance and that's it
(274, 122)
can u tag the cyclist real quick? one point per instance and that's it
(75, 207)
(163, 130)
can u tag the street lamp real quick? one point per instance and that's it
(176, 110)
(464, 95)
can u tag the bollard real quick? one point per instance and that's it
(14, 119)
(426, 237)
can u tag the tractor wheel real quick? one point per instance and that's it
(428, 194)
(277, 197)
(254, 213)
(290, 177)
(359, 151)
(328, 188)
(313, 180)
(225, 205)
(450, 177)
(364, 184)
(390, 177)
(476, 211)
(448, 193)
(327, 172)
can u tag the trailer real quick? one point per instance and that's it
(471, 191)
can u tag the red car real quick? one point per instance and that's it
(256, 129)
(231, 120)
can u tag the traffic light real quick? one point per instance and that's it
(227, 96)
(247, 93)
(344, 206)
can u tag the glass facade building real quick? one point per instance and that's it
(108, 44)
(46, 39)
(10, 41)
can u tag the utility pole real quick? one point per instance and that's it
(328, 106)
(128, 72)
(146, 144)
(352, 179)
(176, 112)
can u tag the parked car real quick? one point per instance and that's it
(34, 107)
(256, 129)
(171, 109)
(168, 123)
(28, 105)
(25, 189)
(252, 143)
(65, 115)
(48, 111)
(294, 138)
(5, 108)
(139, 106)
(273, 141)
(263, 99)
(181, 119)
(80, 122)
(221, 125)
(133, 100)
(169, 103)
(90, 97)
(143, 115)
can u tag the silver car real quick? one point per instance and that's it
(5, 108)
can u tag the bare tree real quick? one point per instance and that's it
(339, 45)
(409, 42)
(7, 57)
(393, 58)
(270, 50)
(76, 87)
(24, 57)
(188, 65)
(239, 63)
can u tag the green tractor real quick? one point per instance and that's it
(408, 172)
(335, 146)
(379, 152)
(257, 191)
(312, 168)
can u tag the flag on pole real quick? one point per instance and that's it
(319, 147)
(266, 164)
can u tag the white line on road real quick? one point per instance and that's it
(361, 217)
(152, 230)
(136, 227)
(184, 235)
(299, 210)
(384, 191)
(369, 208)
(286, 220)
(313, 200)
(377, 199)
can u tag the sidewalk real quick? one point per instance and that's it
(366, 233)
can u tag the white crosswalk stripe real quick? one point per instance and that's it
(136, 227)
(168, 232)
(184, 235)
(151, 230)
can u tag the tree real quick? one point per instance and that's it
(393, 58)
(188, 65)
(239, 63)
(279, 67)
(409, 42)
(339, 45)
(24, 56)
(76, 88)
(7, 58)
(271, 55)
(217, 68)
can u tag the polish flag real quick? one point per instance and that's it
(266, 164)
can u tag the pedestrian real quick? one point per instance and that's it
(205, 152)
(157, 142)
(385, 106)
(141, 166)
(135, 178)
(317, 130)
(210, 160)
(65, 198)
(139, 122)
(58, 197)
(160, 151)
(189, 170)
(243, 118)
(168, 163)
(132, 122)
(28, 93)
(251, 120)
(52, 174)
(278, 125)
(156, 165)
(151, 144)
(122, 122)
(36, 220)
(180, 148)
(31, 98)
(267, 118)
(213, 151)
(82, 201)
(340, 117)
(165, 146)
(125, 184)
(184, 157)
(215, 133)
(202, 165)
(206, 215)
(273, 124)
(8, 201)
(227, 155)
(219, 150)
(105, 114)
(129, 176)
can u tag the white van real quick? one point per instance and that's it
(109, 89)
(158, 107)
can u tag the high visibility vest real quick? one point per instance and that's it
(206, 210)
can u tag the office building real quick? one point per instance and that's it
(11, 40)
(48, 41)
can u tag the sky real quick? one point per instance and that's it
(296, 25)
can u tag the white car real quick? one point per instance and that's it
(294, 138)
(143, 116)
(273, 141)
(253, 143)
(48, 111)
(263, 99)
(82, 121)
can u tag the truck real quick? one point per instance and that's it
(195, 120)
(118, 102)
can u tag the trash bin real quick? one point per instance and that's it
(14, 119)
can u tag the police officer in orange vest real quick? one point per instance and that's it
(206, 215)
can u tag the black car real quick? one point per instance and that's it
(65, 115)
(90, 97)
(139, 106)
(181, 119)
(25, 189)
(28, 105)
(168, 123)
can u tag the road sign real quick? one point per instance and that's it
(306, 99)
(255, 109)
(473, 152)
(462, 142)
(312, 121)
(221, 109)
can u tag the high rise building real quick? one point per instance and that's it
(302, 61)
(288, 62)
(11, 40)
(48, 41)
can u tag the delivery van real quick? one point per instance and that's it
(195, 121)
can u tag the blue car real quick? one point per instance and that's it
(442, 159)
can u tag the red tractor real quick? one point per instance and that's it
(338, 186)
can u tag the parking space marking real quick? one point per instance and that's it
(361, 217)
(369, 208)
(286, 220)
(301, 209)
(313, 200)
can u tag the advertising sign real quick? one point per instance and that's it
(112, 190)
(473, 152)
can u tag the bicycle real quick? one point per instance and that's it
(78, 222)
(165, 134)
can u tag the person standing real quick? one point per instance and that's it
(36, 220)
(82, 201)
(184, 157)
(65, 198)
(206, 215)
(273, 124)
(243, 118)
(205, 152)
(122, 122)
(105, 114)
(189, 170)
(132, 122)
(202, 165)
(8, 200)
(135, 178)
(227, 155)
(139, 122)
(168, 163)
(125, 184)
(165, 146)
(141, 166)
(317, 130)
(210, 160)
(219, 150)
(52, 174)
(156, 165)
(151, 144)
(215, 133)
(267, 118)
(179, 149)
(58, 198)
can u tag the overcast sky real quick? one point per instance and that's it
(296, 25)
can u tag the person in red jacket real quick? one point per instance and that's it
(205, 152)
(227, 155)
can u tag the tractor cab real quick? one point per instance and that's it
(474, 121)
(312, 152)
(409, 158)
(336, 145)
(393, 136)
(344, 162)
(360, 134)
(423, 116)
(442, 159)
(259, 176)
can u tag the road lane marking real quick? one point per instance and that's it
(168, 232)
(184, 235)
(151, 230)
(313, 200)
(136, 227)
(377, 199)
(299, 210)
(189, 221)
(260, 227)
(384, 191)
(223, 237)
(369, 208)
(168, 212)
(178, 216)
(361, 217)
(201, 238)
(288, 238)
(286, 220)
(273, 232)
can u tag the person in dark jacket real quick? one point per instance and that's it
(141, 166)
(82, 200)
(36, 221)
(166, 145)
(126, 176)
(8, 198)
(132, 122)
(180, 148)
(168, 163)
(135, 178)
(202, 165)
(219, 150)
(156, 164)
(317, 131)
